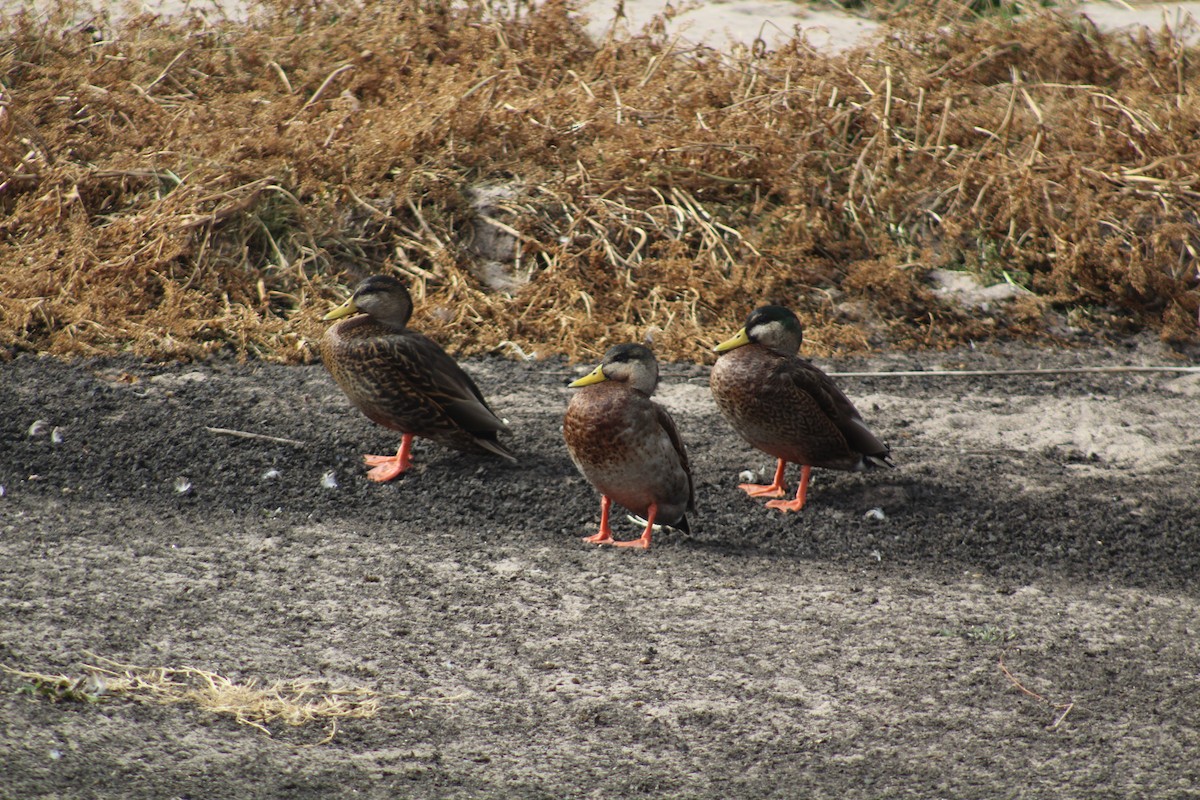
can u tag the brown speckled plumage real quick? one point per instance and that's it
(402, 379)
(786, 407)
(625, 444)
(790, 409)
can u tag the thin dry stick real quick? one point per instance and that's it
(1041, 126)
(941, 137)
(918, 119)
(656, 61)
(249, 435)
(282, 75)
(886, 122)
(166, 69)
(1066, 707)
(957, 373)
(253, 190)
(320, 90)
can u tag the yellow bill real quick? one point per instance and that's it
(595, 376)
(344, 310)
(739, 339)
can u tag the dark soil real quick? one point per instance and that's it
(1047, 525)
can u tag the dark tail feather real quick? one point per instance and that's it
(682, 525)
(493, 446)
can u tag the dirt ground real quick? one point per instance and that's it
(1046, 525)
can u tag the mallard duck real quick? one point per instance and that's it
(403, 380)
(627, 446)
(788, 408)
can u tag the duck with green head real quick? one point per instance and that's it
(788, 408)
(403, 380)
(627, 446)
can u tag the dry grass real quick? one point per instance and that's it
(178, 187)
(294, 702)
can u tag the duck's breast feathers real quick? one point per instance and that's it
(628, 448)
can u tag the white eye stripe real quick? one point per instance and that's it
(768, 329)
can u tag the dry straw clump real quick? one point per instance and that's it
(174, 187)
(294, 702)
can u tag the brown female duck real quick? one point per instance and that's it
(403, 380)
(626, 445)
(788, 408)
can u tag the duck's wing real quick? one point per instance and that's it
(805, 377)
(428, 369)
(668, 425)
(405, 380)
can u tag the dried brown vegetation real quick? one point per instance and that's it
(294, 702)
(173, 187)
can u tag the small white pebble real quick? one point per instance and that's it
(329, 480)
(37, 427)
(878, 556)
(183, 486)
(55, 755)
(2, 490)
(876, 514)
(747, 476)
(56, 435)
(271, 474)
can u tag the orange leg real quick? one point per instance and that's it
(776, 489)
(387, 468)
(644, 541)
(801, 493)
(605, 535)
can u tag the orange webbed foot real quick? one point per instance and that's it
(786, 505)
(774, 489)
(605, 535)
(763, 490)
(385, 468)
(644, 540)
(797, 502)
(388, 468)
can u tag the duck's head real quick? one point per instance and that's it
(632, 364)
(381, 297)
(774, 327)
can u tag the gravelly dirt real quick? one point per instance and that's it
(1046, 523)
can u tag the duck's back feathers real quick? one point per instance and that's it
(405, 381)
(787, 407)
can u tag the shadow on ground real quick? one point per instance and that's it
(1042, 525)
